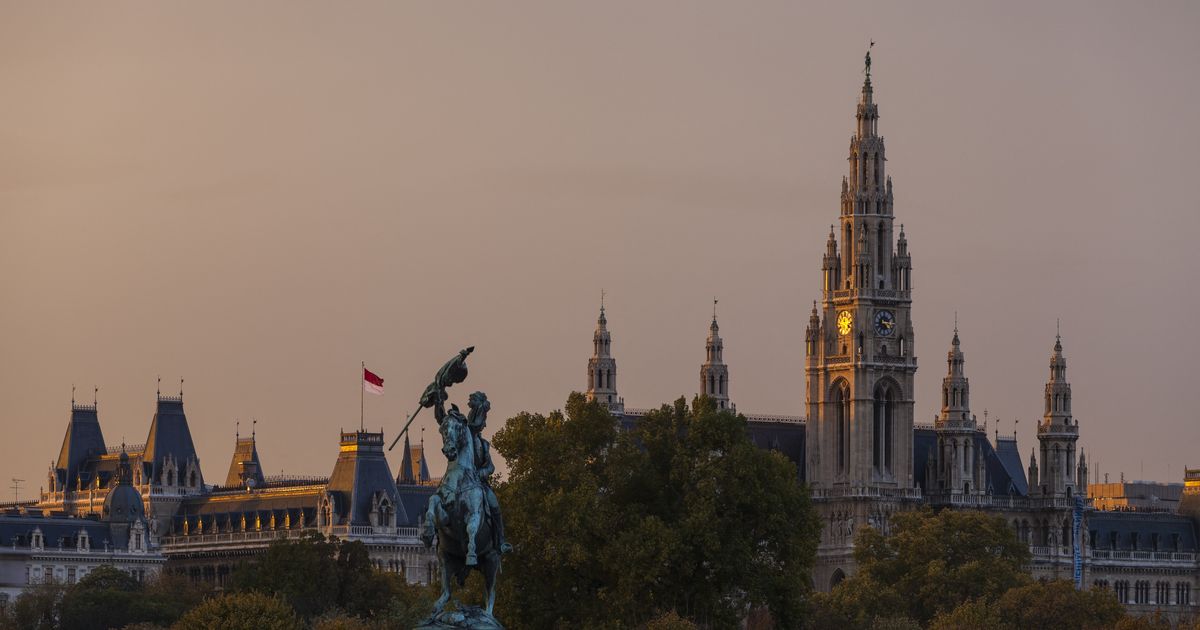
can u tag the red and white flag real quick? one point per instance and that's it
(372, 384)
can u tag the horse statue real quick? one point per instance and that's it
(463, 515)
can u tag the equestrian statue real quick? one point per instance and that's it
(463, 516)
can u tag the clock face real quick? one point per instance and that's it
(885, 323)
(844, 321)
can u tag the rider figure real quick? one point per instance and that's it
(477, 421)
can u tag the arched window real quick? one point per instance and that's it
(841, 416)
(884, 430)
(838, 576)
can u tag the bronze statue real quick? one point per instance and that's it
(464, 514)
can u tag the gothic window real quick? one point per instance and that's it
(1162, 592)
(841, 411)
(885, 410)
(1141, 592)
(1183, 594)
(192, 479)
(1122, 590)
(724, 385)
(170, 477)
(1066, 533)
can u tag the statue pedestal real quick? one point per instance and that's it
(464, 618)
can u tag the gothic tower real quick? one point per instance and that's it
(602, 367)
(860, 366)
(959, 467)
(1057, 432)
(714, 374)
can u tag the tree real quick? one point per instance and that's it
(680, 513)
(303, 572)
(1053, 605)
(931, 564)
(240, 611)
(38, 607)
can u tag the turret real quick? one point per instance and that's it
(1058, 432)
(1081, 473)
(602, 367)
(714, 374)
(955, 427)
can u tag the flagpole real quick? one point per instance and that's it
(362, 396)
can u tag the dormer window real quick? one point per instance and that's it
(84, 542)
(37, 541)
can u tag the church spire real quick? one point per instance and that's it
(602, 367)
(1058, 433)
(714, 374)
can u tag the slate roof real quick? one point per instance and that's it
(83, 440)
(169, 435)
(361, 471)
(18, 531)
(1136, 531)
(414, 499)
(786, 437)
(245, 457)
(1003, 477)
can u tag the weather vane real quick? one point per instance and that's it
(868, 70)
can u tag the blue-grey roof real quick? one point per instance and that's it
(1141, 531)
(1010, 459)
(169, 435)
(414, 499)
(17, 530)
(786, 437)
(83, 440)
(1003, 478)
(360, 472)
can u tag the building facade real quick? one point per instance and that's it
(204, 529)
(865, 458)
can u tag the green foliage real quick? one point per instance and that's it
(303, 572)
(38, 607)
(682, 513)
(931, 564)
(240, 611)
(1039, 605)
(110, 598)
(670, 621)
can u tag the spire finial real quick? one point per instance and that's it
(868, 60)
(602, 294)
(714, 308)
(237, 429)
(253, 428)
(955, 323)
(72, 394)
(158, 388)
(181, 387)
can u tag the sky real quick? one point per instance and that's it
(257, 197)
